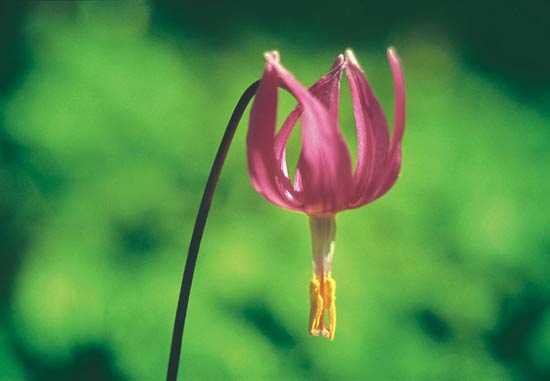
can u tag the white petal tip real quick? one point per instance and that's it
(392, 53)
(351, 57)
(338, 62)
(272, 56)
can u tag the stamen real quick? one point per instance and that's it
(322, 288)
(316, 306)
(322, 297)
(330, 305)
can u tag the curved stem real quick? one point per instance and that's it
(200, 222)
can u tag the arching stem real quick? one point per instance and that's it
(200, 222)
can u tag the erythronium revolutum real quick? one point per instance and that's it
(324, 182)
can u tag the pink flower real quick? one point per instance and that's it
(324, 182)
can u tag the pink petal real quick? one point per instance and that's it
(372, 128)
(325, 163)
(327, 90)
(265, 172)
(389, 172)
(399, 88)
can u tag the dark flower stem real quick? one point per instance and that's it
(200, 222)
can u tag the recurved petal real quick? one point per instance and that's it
(371, 126)
(391, 168)
(325, 163)
(399, 89)
(393, 165)
(265, 172)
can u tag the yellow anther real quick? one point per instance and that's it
(330, 305)
(316, 306)
(322, 298)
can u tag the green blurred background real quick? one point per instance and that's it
(110, 115)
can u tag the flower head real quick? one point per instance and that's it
(324, 182)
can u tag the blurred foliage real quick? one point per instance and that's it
(111, 115)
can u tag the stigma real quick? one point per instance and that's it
(322, 287)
